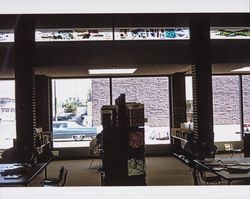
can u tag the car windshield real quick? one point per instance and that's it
(59, 125)
(66, 125)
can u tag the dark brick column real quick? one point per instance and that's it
(202, 83)
(178, 99)
(24, 85)
(43, 102)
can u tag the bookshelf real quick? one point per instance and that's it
(179, 138)
(123, 144)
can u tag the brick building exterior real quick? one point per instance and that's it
(246, 97)
(226, 100)
(153, 92)
(100, 96)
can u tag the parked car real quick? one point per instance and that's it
(72, 130)
(65, 116)
(78, 119)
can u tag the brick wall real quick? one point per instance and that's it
(43, 102)
(202, 103)
(246, 97)
(100, 96)
(226, 100)
(153, 92)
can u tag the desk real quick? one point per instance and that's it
(26, 177)
(224, 164)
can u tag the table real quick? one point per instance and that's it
(221, 167)
(27, 177)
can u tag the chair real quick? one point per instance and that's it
(196, 177)
(59, 181)
(202, 177)
(95, 153)
(9, 155)
(229, 147)
(210, 178)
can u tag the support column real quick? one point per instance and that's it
(178, 99)
(202, 85)
(43, 102)
(24, 85)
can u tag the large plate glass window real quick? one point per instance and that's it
(153, 92)
(226, 108)
(189, 98)
(74, 34)
(7, 113)
(76, 110)
(246, 102)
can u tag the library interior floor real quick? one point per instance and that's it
(161, 171)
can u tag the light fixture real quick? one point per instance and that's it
(243, 69)
(112, 71)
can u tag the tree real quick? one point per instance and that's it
(70, 107)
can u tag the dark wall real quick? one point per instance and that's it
(178, 99)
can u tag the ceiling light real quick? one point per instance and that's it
(243, 69)
(112, 71)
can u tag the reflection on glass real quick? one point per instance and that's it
(226, 108)
(7, 114)
(76, 110)
(154, 94)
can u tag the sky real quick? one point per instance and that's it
(189, 90)
(77, 88)
(7, 88)
(66, 88)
